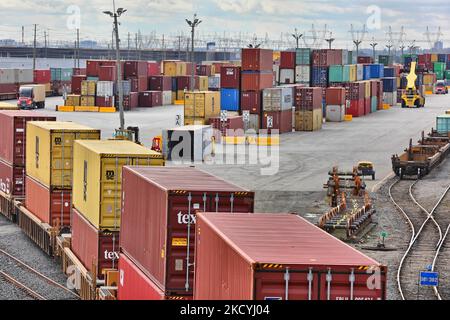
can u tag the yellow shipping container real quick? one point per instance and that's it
(189, 121)
(434, 57)
(203, 83)
(181, 68)
(87, 101)
(353, 73)
(73, 100)
(48, 87)
(202, 104)
(97, 171)
(8, 106)
(309, 120)
(368, 89)
(170, 68)
(49, 150)
(88, 88)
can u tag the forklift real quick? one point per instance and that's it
(412, 96)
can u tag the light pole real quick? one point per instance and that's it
(193, 24)
(115, 15)
(297, 36)
(330, 40)
(374, 45)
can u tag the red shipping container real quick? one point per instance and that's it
(13, 126)
(251, 101)
(287, 60)
(230, 77)
(42, 76)
(335, 96)
(365, 60)
(374, 88)
(204, 70)
(160, 83)
(92, 67)
(278, 120)
(158, 219)
(131, 101)
(249, 257)
(184, 82)
(233, 123)
(308, 99)
(94, 247)
(12, 180)
(107, 73)
(139, 84)
(153, 68)
(76, 84)
(49, 206)
(148, 99)
(256, 81)
(134, 285)
(257, 60)
(11, 88)
(367, 106)
(104, 101)
(79, 71)
(356, 108)
(135, 69)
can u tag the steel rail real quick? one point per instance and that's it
(28, 291)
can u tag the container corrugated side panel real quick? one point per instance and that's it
(217, 264)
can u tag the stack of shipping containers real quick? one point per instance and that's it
(97, 198)
(49, 164)
(287, 67)
(336, 104)
(158, 227)
(303, 66)
(200, 107)
(308, 108)
(13, 126)
(230, 88)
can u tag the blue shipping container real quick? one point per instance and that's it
(229, 99)
(174, 84)
(389, 72)
(376, 71)
(442, 58)
(319, 76)
(390, 84)
(366, 72)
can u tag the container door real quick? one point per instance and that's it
(359, 285)
(19, 141)
(62, 153)
(181, 241)
(282, 285)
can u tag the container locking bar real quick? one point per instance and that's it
(329, 278)
(188, 242)
(232, 202)
(310, 281)
(287, 277)
(217, 202)
(352, 283)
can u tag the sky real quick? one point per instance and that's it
(59, 18)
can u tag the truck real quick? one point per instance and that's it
(31, 96)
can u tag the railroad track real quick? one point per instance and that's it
(427, 242)
(30, 281)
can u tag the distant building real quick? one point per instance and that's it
(439, 45)
(8, 42)
(88, 44)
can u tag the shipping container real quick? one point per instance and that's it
(139, 84)
(365, 60)
(336, 73)
(287, 76)
(105, 89)
(257, 60)
(42, 76)
(167, 98)
(288, 60)
(97, 250)
(149, 99)
(7, 76)
(50, 205)
(309, 120)
(248, 257)
(135, 69)
(256, 81)
(160, 83)
(443, 124)
(303, 74)
(153, 68)
(203, 84)
(49, 150)
(251, 101)
(12, 179)
(108, 101)
(131, 101)
(169, 67)
(356, 108)
(159, 219)
(307, 99)
(335, 96)
(230, 77)
(319, 76)
(13, 126)
(335, 113)
(97, 182)
(390, 98)
(277, 121)
(376, 71)
(253, 124)
(88, 88)
(202, 105)
(278, 99)
(229, 99)
(79, 71)
(303, 56)
(214, 82)
(107, 73)
(204, 70)
(233, 126)
(77, 83)
(73, 100)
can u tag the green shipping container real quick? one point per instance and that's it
(447, 74)
(350, 58)
(336, 73)
(55, 74)
(346, 73)
(374, 104)
(439, 66)
(443, 124)
(385, 60)
(303, 56)
(66, 74)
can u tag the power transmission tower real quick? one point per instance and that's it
(433, 37)
(330, 40)
(358, 37)
(297, 36)
(374, 45)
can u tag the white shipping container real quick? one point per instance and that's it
(24, 76)
(276, 72)
(214, 82)
(7, 76)
(390, 98)
(359, 72)
(287, 76)
(253, 123)
(195, 141)
(277, 99)
(302, 74)
(166, 98)
(105, 88)
(335, 113)
(344, 57)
